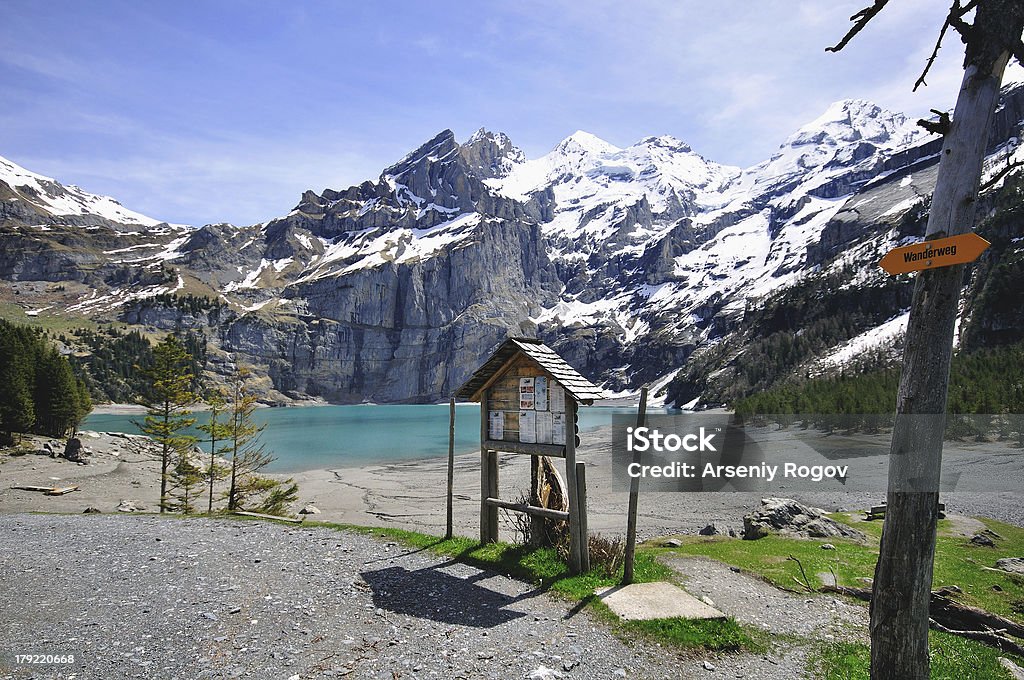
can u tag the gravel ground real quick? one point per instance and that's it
(145, 597)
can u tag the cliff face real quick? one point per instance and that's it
(643, 265)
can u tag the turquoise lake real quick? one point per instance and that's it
(320, 437)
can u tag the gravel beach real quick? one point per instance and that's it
(151, 597)
(411, 495)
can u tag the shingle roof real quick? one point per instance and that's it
(575, 384)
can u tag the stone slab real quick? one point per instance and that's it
(659, 600)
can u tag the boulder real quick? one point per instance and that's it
(74, 451)
(983, 541)
(710, 530)
(1014, 564)
(310, 509)
(129, 506)
(91, 511)
(791, 518)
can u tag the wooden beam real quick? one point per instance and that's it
(260, 515)
(581, 494)
(553, 450)
(547, 513)
(60, 491)
(451, 466)
(634, 499)
(571, 410)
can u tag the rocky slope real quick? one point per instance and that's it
(643, 265)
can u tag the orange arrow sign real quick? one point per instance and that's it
(943, 252)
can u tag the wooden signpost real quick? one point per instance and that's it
(529, 399)
(943, 252)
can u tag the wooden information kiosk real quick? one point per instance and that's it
(529, 399)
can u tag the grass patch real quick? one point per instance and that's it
(543, 567)
(952, 658)
(957, 561)
(723, 635)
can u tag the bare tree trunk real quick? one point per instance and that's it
(903, 574)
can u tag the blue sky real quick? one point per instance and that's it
(213, 111)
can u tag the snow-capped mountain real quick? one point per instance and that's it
(55, 199)
(648, 264)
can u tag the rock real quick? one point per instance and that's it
(1014, 564)
(542, 672)
(707, 600)
(129, 506)
(709, 530)
(732, 533)
(74, 451)
(827, 546)
(91, 511)
(983, 541)
(708, 666)
(791, 518)
(672, 543)
(310, 509)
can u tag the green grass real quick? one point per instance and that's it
(957, 562)
(952, 658)
(544, 568)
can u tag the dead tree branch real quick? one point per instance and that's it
(861, 18)
(990, 638)
(955, 18)
(806, 583)
(939, 127)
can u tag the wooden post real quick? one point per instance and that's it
(575, 559)
(581, 494)
(488, 528)
(634, 499)
(451, 465)
(903, 574)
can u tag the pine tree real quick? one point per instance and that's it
(168, 412)
(56, 396)
(17, 376)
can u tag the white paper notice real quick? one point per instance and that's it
(496, 425)
(526, 393)
(556, 398)
(558, 428)
(544, 426)
(528, 427)
(540, 393)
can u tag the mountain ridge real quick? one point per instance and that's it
(629, 261)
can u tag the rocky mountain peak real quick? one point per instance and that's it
(490, 154)
(440, 147)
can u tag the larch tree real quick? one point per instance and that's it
(168, 411)
(247, 489)
(218, 433)
(903, 575)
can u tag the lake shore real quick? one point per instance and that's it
(411, 494)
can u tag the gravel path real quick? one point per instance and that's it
(145, 597)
